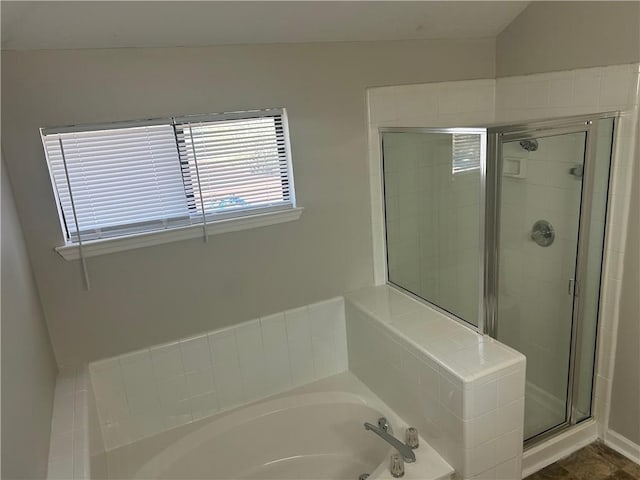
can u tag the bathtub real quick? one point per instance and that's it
(312, 432)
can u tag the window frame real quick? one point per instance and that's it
(212, 223)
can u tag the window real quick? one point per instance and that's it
(466, 153)
(138, 177)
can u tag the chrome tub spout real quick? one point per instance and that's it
(402, 448)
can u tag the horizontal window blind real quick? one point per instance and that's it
(241, 164)
(123, 181)
(466, 152)
(150, 175)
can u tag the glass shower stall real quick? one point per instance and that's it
(503, 228)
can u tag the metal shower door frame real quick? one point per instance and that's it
(496, 137)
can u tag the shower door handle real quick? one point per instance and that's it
(572, 287)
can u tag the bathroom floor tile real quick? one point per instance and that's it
(621, 475)
(593, 462)
(552, 472)
(633, 469)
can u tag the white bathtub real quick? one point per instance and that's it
(313, 432)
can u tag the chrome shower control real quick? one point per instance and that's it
(543, 233)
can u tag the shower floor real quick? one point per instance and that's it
(541, 413)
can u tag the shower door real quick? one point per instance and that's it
(539, 224)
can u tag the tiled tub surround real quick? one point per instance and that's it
(152, 390)
(464, 391)
(76, 450)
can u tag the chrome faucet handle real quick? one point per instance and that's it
(411, 437)
(396, 465)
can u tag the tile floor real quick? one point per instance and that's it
(593, 462)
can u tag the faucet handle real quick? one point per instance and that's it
(411, 437)
(396, 465)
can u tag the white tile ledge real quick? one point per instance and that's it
(458, 349)
(120, 244)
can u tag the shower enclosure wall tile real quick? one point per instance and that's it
(152, 390)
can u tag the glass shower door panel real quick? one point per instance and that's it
(586, 342)
(539, 221)
(432, 217)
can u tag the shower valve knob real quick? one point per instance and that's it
(543, 233)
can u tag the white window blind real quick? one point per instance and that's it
(466, 152)
(137, 177)
(242, 164)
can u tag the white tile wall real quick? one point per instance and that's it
(145, 392)
(74, 437)
(464, 391)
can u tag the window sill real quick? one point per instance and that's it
(120, 244)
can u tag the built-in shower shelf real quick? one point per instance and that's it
(514, 167)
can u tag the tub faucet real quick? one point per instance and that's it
(402, 448)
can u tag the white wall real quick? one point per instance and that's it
(625, 396)
(157, 294)
(560, 35)
(28, 367)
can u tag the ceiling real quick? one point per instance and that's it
(62, 25)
